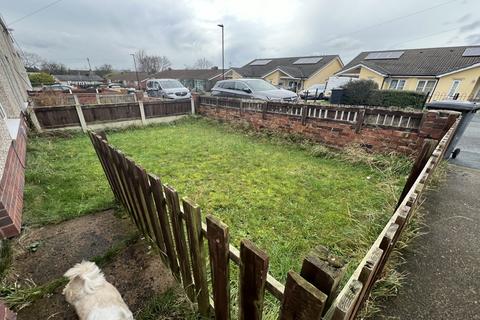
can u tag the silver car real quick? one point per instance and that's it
(167, 88)
(252, 89)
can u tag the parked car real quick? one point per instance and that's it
(167, 88)
(58, 87)
(252, 89)
(314, 92)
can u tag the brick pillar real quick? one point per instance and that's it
(435, 123)
(11, 186)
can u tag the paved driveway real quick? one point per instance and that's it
(470, 146)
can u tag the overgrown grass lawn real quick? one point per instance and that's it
(286, 197)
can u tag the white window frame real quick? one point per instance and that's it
(422, 89)
(454, 90)
(397, 85)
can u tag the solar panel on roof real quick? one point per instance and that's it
(384, 55)
(260, 62)
(311, 60)
(471, 52)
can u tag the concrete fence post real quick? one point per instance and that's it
(142, 112)
(33, 117)
(78, 107)
(360, 119)
(192, 102)
(97, 98)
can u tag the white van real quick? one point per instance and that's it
(335, 83)
(167, 88)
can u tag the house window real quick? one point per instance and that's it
(396, 84)
(425, 86)
(454, 89)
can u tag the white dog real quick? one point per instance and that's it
(92, 296)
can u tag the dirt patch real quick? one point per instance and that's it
(45, 253)
(137, 271)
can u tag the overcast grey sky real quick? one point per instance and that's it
(107, 31)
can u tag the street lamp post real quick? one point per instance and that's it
(223, 52)
(136, 72)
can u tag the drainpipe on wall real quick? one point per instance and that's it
(433, 90)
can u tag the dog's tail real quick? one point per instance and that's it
(88, 271)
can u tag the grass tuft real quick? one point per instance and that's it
(173, 304)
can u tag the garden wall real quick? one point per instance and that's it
(11, 186)
(378, 129)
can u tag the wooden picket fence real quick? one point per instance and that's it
(176, 227)
(356, 291)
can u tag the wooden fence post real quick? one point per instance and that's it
(142, 112)
(33, 117)
(253, 274)
(324, 271)
(78, 107)
(301, 300)
(218, 246)
(97, 98)
(195, 237)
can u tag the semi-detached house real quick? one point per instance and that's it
(445, 73)
(294, 73)
(14, 84)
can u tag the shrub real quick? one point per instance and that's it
(396, 98)
(41, 78)
(358, 92)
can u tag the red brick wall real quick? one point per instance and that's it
(339, 134)
(11, 186)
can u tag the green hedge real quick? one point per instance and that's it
(40, 78)
(366, 92)
(396, 98)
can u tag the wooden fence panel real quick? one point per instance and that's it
(218, 245)
(166, 108)
(57, 117)
(195, 237)
(166, 230)
(111, 113)
(253, 275)
(181, 247)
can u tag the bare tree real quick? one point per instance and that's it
(151, 64)
(104, 69)
(32, 61)
(202, 63)
(54, 68)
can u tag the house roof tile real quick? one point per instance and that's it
(418, 62)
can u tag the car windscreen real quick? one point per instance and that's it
(170, 84)
(259, 85)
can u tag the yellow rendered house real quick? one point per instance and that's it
(444, 73)
(293, 73)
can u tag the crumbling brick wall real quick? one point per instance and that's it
(433, 125)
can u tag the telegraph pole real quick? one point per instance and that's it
(136, 72)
